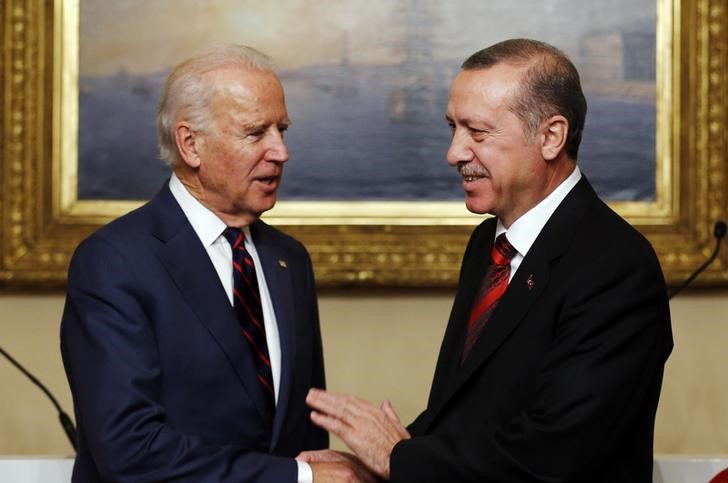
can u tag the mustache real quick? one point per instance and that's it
(468, 168)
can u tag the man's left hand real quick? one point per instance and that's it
(370, 431)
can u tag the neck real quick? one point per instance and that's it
(193, 186)
(557, 174)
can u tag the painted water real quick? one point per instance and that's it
(356, 135)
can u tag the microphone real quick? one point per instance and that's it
(66, 422)
(719, 230)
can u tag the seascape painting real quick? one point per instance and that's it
(366, 87)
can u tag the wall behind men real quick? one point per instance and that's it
(379, 345)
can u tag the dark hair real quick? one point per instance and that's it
(550, 85)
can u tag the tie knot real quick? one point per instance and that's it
(503, 251)
(234, 236)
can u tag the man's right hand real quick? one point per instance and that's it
(370, 431)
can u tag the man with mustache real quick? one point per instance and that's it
(190, 334)
(552, 361)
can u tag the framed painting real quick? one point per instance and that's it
(367, 189)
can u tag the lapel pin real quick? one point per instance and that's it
(282, 263)
(529, 282)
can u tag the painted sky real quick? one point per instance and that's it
(139, 36)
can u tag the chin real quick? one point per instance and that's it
(265, 205)
(479, 208)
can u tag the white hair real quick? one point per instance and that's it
(187, 92)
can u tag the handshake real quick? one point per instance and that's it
(371, 432)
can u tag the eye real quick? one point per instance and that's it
(282, 128)
(478, 134)
(255, 134)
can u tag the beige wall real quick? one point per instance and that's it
(379, 345)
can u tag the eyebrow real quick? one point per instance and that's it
(255, 126)
(468, 121)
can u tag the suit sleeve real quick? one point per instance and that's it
(317, 437)
(111, 361)
(603, 369)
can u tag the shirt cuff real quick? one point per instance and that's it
(305, 475)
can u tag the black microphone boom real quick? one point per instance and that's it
(719, 230)
(62, 416)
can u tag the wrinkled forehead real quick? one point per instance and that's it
(242, 91)
(247, 96)
(490, 87)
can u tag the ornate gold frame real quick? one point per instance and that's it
(352, 243)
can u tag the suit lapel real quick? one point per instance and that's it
(448, 363)
(523, 291)
(189, 266)
(277, 276)
(513, 306)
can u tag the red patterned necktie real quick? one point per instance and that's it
(249, 310)
(494, 286)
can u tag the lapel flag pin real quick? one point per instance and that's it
(282, 263)
(529, 282)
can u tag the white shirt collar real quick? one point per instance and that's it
(206, 224)
(524, 231)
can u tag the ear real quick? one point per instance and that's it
(554, 132)
(187, 141)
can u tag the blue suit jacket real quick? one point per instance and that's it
(163, 383)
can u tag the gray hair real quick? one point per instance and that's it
(188, 91)
(550, 85)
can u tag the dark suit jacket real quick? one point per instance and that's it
(563, 383)
(163, 382)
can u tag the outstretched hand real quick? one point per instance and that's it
(370, 431)
(321, 458)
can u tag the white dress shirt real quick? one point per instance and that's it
(209, 228)
(524, 231)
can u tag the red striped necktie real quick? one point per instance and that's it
(494, 286)
(249, 310)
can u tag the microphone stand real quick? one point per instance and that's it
(66, 422)
(719, 230)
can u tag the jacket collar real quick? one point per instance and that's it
(523, 291)
(182, 254)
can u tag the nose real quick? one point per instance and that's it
(277, 150)
(458, 150)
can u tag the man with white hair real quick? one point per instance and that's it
(190, 334)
